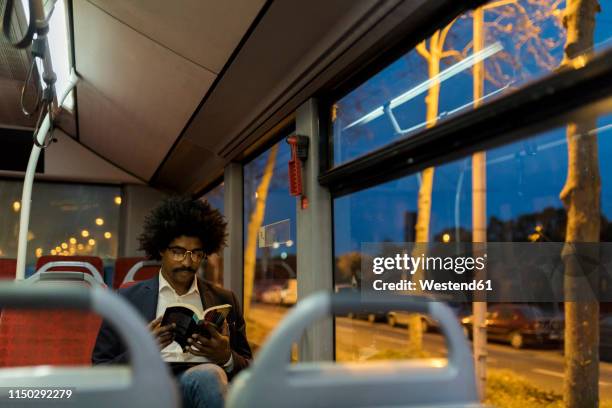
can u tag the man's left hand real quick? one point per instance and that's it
(217, 348)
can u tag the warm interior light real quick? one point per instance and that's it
(73, 240)
(99, 221)
(118, 200)
(53, 252)
(84, 233)
(91, 242)
(64, 245)
(107, 235)
(446, 237)
(16, 206)
(38, 252)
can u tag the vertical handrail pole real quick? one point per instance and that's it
(26, 195)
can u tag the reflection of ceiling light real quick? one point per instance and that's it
(80, 247)
(275, 245)
(53, 252)
(107, 235)
(38, 252)
(289, 243)
(16, 206)
(424, 86)
(85, 233)
(58, 249)
(283, 255)
(99, 221)
(118, 200)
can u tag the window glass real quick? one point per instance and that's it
(270, 267)
(213, 270)
(524, 182)
(521, 40)
(58, 47)
(65, 219)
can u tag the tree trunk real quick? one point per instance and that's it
(255, 221)
(479, 211)
(581, 198)
(415, 327)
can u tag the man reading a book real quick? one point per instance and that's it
(181, 233)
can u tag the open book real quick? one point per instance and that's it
(190, 320)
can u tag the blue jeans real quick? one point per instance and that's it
(203, 386)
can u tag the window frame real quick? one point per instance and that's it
(548, 102)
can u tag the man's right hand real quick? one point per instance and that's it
(163, 334)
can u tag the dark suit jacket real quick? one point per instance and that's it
(143, 296)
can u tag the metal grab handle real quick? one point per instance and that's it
(73, 264)
(274, 354)
(148, 368)
(60, 276)
(129, 277)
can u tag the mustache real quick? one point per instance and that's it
(183, 269)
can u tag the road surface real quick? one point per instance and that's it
(358, 340)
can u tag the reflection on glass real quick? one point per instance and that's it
(528, 185)
(66, 219)
(270, 279)
(505, 45)
(213, 267)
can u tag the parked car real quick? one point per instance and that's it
(371, 317)
(272, 295)
(289, 293)
(605, 338)
(520, 325)
(401, 318)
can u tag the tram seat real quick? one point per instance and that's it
(127, 284)
(133, 269)
(99, 386)
(57, 338)
(49, 337)
(272, 381)
(8, 268)
(95, 261)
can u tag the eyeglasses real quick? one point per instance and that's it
(179, 254)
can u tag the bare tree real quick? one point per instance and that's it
(255, 221)
(581, 198)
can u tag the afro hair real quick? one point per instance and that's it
(182, 216)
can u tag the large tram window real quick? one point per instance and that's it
(522, 41)
(66, 219)
(270, 279)
(524, 181)
(214, 265)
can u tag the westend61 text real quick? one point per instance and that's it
(429, 284)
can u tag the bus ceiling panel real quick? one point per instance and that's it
(205, 32)
(136, 95)
(68, 160)
(191, 168)
(293, 41)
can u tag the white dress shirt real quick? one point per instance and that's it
(166, 296)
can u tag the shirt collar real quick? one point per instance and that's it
(163, 283)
